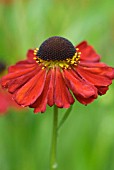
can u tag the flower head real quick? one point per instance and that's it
(56, 73)
(5, 98)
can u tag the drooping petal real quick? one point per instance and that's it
(95, 77)
(83, 100)
(20, 67)
(6, 79)
(88, 54)
(24, 63)
(98, 68)
(92, 64)
(18, 82)
(41, 102)
(61, 92)
(29, 92)
(78, 86)
(51, 88)
(70, 97)
(102, 90)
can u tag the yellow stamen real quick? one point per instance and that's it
(64, 64)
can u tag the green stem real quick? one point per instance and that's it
(53, 161)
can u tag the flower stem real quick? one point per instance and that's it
(53, 161)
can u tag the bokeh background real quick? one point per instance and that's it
(86, 140)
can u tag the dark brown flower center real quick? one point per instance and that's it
(56, 48)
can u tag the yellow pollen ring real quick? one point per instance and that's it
(64, 64)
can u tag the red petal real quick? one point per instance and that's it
(94, 76)
(6, 79)
(31, 90)
(92, 64)
(4, 102)
(40, 103)
(51, 88)
(79, 86)
(20, 67)
(102, 90)
(41, 108)
(29, 61)
(26, 62)
(20, 81)
(98, 68)
(88, 54)
(61, 94)
(85, 101)
(30, 55)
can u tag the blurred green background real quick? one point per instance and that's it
(86, 140)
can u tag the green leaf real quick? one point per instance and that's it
(65, 117)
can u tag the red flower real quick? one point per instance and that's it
(5, 98)
(54, 72)
(6, 102)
